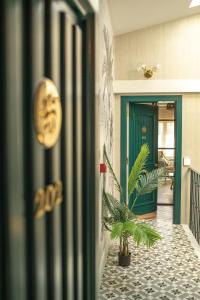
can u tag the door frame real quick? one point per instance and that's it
(177, 99)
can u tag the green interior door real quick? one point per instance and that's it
(143, 130)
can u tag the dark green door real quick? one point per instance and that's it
(51, 257)
(143, 130)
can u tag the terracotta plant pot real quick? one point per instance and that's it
(124, 261)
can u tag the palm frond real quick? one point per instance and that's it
(120, 229)
(118, 211)
(112, 205)
(141, 232)
(117, 184)
(149, 181)
(124, 212)
(145, 234)
(138, 168)
(131, 215)
(117, 230)
(129, 227)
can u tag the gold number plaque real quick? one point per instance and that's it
(47, 113)
(47, 198)
(144, 129)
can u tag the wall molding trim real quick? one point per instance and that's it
(152, 86)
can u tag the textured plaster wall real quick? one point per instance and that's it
(105, 119)
(191, 146)
(174, 45)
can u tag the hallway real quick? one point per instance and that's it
(99, 118)
(165, 213)
(170, 270)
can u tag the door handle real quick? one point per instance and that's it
(156, 165)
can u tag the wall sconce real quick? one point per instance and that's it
(148, 71)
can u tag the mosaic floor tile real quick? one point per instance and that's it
(170, 270)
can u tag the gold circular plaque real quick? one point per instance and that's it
(144, 129)
(47, 113)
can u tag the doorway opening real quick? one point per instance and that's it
(166, 159)
(155, 120)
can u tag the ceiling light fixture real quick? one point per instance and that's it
(194, 3)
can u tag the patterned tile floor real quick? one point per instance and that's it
(169, 270)
(165, 193)
(165, 213)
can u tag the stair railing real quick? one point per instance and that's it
(195, 204)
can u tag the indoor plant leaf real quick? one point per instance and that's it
(138, 168)
(117, 184)
(144, 233)
(149, 181)
(118, 211)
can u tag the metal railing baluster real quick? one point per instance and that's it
(194, 223)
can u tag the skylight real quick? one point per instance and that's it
(194, 3)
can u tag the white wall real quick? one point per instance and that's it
(174, 45)
(191, 146)
(105, 119)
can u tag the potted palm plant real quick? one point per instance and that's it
(120, 218)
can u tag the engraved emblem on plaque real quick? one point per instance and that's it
(47, 113)
(144, 130)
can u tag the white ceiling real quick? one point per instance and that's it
(130, 15)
